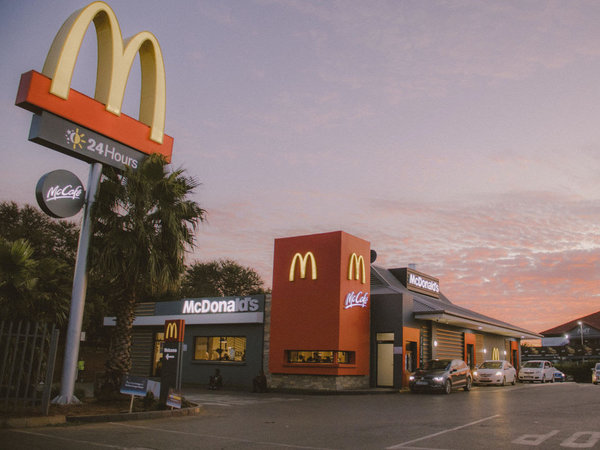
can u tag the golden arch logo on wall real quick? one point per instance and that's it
(174, 330)
(495, 354)
(115, 59)
(303, 260)
(356, 268)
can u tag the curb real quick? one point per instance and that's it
(122, 417)
(43, 421)
(30, 422)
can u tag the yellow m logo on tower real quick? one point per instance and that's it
(356, 267)
(115, 58)
(303, 263)
(495, 354)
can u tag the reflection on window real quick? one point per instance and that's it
(319, 357)
(220, 348)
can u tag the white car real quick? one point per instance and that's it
(537, 370)
(495, 372)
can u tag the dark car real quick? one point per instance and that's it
(442, 375)
(559, 376)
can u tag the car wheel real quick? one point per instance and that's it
(514, 381)
(467, 387)
(552, 379)
(543, 379)
(503, 381)
(448, 387)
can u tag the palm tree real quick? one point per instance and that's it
(17, 277)
(145, 224)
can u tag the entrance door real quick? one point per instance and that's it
(385, 364)
(470, 356)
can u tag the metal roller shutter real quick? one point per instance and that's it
(451, 344)
(141, 351)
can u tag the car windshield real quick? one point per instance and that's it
(533, 364)
(439, 364)
(491, 365)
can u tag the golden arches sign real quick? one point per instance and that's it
(356, 267)
(171, 331)
(303, 260)
(495, 354)
(115, 58)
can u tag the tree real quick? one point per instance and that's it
(38, 248)
(17, 277)
(220, 278)
(144, 225)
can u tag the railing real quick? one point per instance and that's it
(27, 358)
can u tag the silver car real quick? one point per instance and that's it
(495, 372)
(538, 370)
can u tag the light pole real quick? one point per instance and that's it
(581, 334)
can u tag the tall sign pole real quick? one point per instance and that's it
(69, 372)
(94, 129)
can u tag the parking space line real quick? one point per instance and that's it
(61, 438)
(444, 431)
(216, 436)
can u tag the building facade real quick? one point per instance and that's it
(335, 321)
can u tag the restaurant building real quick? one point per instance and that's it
(225, 333)
(336, 325)
(335, 321)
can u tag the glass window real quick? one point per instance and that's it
(320, 357)
(220, 348)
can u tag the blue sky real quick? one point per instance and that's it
(461, 136)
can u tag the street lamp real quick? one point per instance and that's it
(581, 334)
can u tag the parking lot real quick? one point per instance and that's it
(559, 415)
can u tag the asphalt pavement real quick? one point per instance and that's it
(547, 416)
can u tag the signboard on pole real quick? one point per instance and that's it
(172, 358)
(110, 137)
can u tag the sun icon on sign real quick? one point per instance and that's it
(75, 138)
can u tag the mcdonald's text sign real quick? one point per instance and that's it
(174, 330)
(51, 90)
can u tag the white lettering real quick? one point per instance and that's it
(189, 307)
(205, 306)
(356, 299)
(576, 440)
(534, 439)
(254, 304)
(422, 283)
(68, 191)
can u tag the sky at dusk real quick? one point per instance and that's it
(461, 136)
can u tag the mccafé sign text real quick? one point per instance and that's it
(353, 299)
(60, 194)
(214, 306)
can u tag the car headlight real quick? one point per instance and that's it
(498, 374)
(438, 379)
(411, 378)
(475, 373)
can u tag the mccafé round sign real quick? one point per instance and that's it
(60, 194)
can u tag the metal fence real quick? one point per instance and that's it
(27, 358)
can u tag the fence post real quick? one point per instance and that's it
(50, 371)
